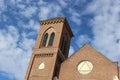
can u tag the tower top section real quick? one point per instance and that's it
(55, 21)
(52, 21)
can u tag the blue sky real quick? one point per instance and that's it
(96, 22)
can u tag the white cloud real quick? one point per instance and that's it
(15, 1)
(50, 10)
(14, 54)
(83, 39)
(9, 39)
(42, 2)
(44, 12)
(24, 42)
(71, 50)
(21, 6)
(1, 3)
(80, 2)
(29, 11)
(2, 6)
(31, 25)
(75, 16)
(106, 27)
(62, 3)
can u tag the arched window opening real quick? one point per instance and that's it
(62, 44)
(44, 41)
(64, 49)
(51, 39)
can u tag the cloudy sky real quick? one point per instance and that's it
(96, 22)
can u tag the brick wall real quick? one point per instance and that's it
(103, 68)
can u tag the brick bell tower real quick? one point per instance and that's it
(50, 50)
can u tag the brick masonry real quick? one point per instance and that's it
(58, 64)
(103, 68)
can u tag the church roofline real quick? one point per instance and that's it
(93, 49)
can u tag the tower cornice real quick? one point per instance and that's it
(52, 21)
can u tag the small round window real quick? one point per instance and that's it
(85, 67)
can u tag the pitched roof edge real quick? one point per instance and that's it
(93, 49)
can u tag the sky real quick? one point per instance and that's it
(96, 22)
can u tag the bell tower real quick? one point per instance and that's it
(50, 50)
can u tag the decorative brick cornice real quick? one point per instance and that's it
(52, 21)
(44, 55)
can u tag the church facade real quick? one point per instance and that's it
(50, 61)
